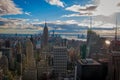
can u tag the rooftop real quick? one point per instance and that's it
(88, 62)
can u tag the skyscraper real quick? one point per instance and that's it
(89, 69)
(4, 64)
(45, 35)
(19, 48)
(19, 58)
(114, 66)
(60, 60)
(29, 54)
(92, 38)
(30, 72)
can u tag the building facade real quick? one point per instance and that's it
(60, 60)
(89, 69)
(114, 66)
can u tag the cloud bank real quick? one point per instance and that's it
(99, 7)
(7, 7)
(104, 12)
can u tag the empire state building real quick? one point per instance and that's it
(45, 35)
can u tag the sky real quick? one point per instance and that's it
(64, 16)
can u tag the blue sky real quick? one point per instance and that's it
(52, 10)
(65, 15)
(40, 9)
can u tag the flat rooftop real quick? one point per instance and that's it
(88, 62)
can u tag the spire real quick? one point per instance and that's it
(45, 27)
(45, 23)
(45, 34)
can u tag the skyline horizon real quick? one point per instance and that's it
(63, 16)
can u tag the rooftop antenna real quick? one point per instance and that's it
(89, 39)
(90, 22)
(116, 30)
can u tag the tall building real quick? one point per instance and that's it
(7, 52)
(30, 72)
(19, 48)
(114, 66)
(45, 35)
(115, 45)
(4, 64)
(29, 54)
(72, 54)
(89, 69)
(19, 58)
(64, 42)
(92, 39)
(53, 35)
(60, 60)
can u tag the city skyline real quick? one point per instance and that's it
(59, 39)
(64, 16)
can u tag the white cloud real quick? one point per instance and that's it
(5, 20)
(18, 31)
(79, 8)
(82, 10)
(107, 7)
(8, 7)
(56, 2)
(67, 22)
(99, 7)
(104, 11)
(84, 23)
(71, 22)
(71, 15)
(96, 24)
(13, 23)
(74, 8)
(28, 13)
(68, 27)
(76, 15)
(58, 22)
(59, 28)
